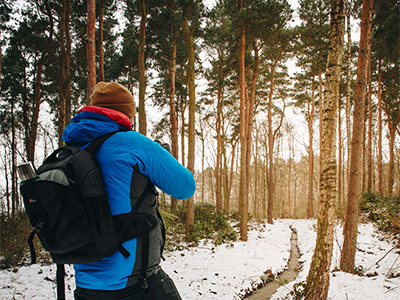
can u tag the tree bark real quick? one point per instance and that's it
(14, 188)
(31, 137)
(339, 172)
(218, 177)
(392, 125)
(1, 59)
(243, 203)
(192, 106)
(228, 195)
(271, 138)
(91, 49)
(380, 168)
(65, 83)
(183, 128)
(141, 66)
(250, 114)
(218, 182)
(318, 277)
(172, 114)
(348, 88)
(369, 146)
(310, 208)
(101, 47)
(356, 159)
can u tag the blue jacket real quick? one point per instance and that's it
(118, 156)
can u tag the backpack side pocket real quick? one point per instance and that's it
(58, 217)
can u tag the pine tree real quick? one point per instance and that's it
(357, 144)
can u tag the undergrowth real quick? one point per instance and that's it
(14, 233)
(209, 226)
(384, 212)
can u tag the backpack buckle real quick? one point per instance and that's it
(38, 226)
(143, 283)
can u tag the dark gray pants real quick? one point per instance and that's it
(161, 287)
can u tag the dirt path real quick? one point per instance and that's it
(285, 277)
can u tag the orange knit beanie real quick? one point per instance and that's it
(115, 96)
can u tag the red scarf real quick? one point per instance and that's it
(113, 114)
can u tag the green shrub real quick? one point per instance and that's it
(298, 291)
(211, 226)
(15, 231)
(208, 225)
(14, 250)
(383, 211)
(174, 228)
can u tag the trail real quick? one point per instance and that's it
(285, 277)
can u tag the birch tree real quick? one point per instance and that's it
(317, 285)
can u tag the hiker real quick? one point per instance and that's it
(129, 161)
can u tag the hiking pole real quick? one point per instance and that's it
(60, 282)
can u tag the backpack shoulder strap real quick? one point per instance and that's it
(60, 277)
(98, 142)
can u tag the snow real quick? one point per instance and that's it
(228, 271)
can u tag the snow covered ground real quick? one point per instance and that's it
(229, 271)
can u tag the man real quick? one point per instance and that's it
(129, 161)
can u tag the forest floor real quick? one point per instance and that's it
(232, 271)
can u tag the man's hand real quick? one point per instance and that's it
(166, 146)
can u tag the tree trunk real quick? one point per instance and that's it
(141, 66)
(318, 277)
(1, 59)
(183, 128)
(203, 147)
(31, 138)
(348, 89)
(256, 177)
(218, 196)
(14, 187)
(250, 115)
(192, 106)
(392, 134)
(270, 208)
(369, 146)
(321, 102)
(265, 180)
(227, 199)
(68, 103)
(91, 49)
(380, 168)
(101, 47)
(310, 208)
(65, 83)
(172, 114)
(243, 209)
(271, 146)
(339, 172)
(225, 178)
(294, 188)
(356, 159)
(61, 107)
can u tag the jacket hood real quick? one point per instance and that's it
(91, 122)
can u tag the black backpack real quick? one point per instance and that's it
(68, 207)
